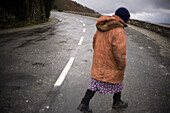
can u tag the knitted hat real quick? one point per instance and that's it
(123, 13)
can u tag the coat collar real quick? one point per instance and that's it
(105, 23)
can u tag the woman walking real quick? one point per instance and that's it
(109, 59)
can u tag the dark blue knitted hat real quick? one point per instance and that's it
(123, 13)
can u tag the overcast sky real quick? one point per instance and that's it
(149, 10)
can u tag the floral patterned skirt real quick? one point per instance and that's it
(104, 87)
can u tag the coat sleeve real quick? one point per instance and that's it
(94, 40)
(119, 48)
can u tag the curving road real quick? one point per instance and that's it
(47, 70)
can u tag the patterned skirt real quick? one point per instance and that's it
(104, 87)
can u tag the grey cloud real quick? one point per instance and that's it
(104, 6)
(164, 4)
(134, 6)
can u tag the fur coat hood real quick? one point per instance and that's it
(105, 23)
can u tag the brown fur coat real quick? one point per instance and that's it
(109, 44)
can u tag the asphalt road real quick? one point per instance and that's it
(31, 62)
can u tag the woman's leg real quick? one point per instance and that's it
(88, 96)
(118, 103)
(117, 97)
(84, 105)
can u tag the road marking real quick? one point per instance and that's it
(81, 21)
(141, 48)
(84, 24)
(84, 30)
(64, 73)
(149, 47)
(81, 40)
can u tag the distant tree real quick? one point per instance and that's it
(21, 9)
(17, 7)
(48, 7)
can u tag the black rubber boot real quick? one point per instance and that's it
(84, 108)
(118, 103)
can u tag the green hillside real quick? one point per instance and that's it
(69, 5)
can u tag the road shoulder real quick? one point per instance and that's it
(52, 21)
(162, 41)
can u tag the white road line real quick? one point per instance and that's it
(141, 48)
(84, 24)
(81, 40)
(81, 21)
(64, 73)
(84, 30)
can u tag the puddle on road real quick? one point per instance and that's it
(63, 41)
(38, 64)
(16, 87)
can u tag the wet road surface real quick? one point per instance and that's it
(33, 60)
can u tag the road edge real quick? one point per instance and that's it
(52, 21)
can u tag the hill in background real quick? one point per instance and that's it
(69, 5)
